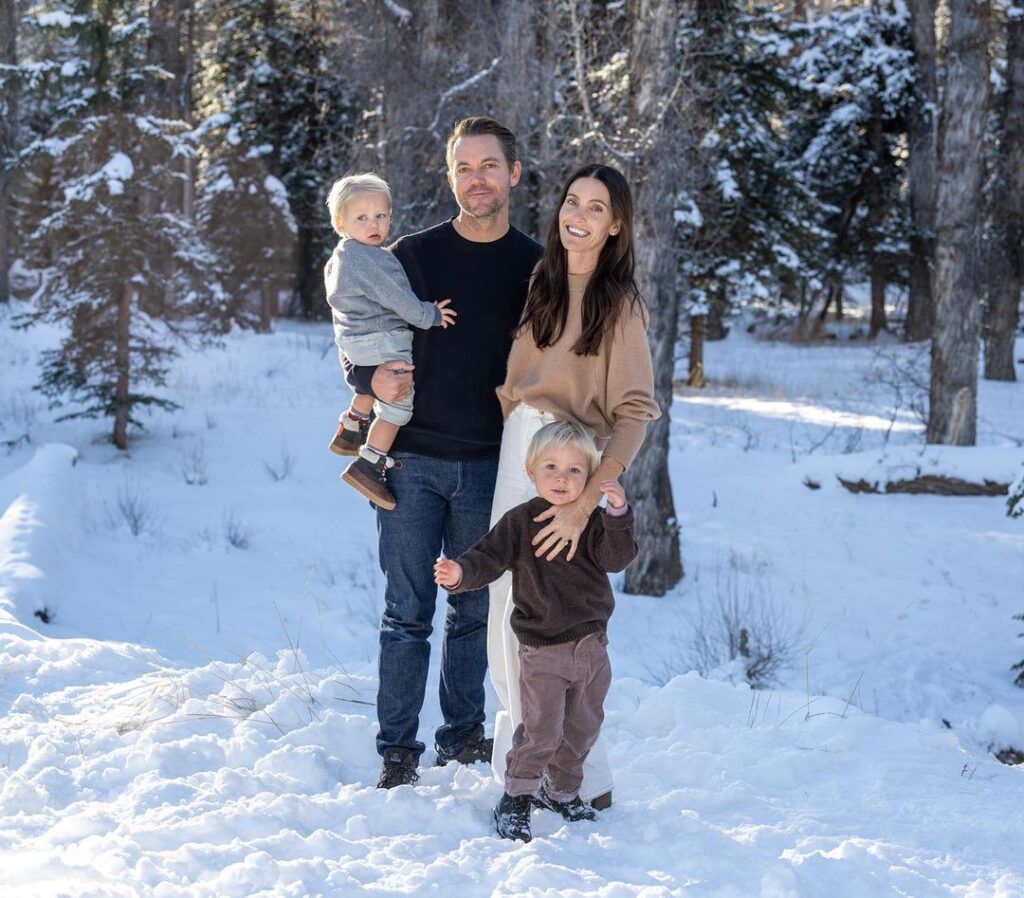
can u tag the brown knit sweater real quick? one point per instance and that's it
(555, 601)
(612, 392)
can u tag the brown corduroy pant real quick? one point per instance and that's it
(563, 690)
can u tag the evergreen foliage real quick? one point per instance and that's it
(123, 271)
(856, 69)
(275, 112)
(748, 232)
(1015, 498)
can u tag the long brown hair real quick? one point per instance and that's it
(611, 287)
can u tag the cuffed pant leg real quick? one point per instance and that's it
(543, 688)
(583, 717)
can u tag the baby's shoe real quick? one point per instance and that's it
(369, 474)
(350, 436)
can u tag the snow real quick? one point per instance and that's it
(57, 20)
(197, 719)
(398, 11)
(689, 216)
(726, 181)
(39, 504)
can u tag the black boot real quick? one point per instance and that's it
(398, 769)
(512, 817)
(477, 747)
(573, 810)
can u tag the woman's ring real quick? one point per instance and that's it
(566, 542)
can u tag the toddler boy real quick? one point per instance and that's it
(560, 615)
(373, 307)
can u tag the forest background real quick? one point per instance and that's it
(165, 164)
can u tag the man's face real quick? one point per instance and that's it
(480, 176)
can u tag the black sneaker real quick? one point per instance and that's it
(512, 817)
(398, 769)
(476, 748)
(573, 810)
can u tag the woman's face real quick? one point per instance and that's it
(586, 221)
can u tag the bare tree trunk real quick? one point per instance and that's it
(695, 378)
(657, 568)
(876, 214)
(188, 189)
(409, 151)
(955, 339)
(921, 173)
(519, 91)
(1006, 267)
(8, 141)
(268, 303)
(122, 362)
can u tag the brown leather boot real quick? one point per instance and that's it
(348, 440)
(371, 478)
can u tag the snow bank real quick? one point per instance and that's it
(40, 503)
(257, 779)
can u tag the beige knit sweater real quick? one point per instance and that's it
(612, 392)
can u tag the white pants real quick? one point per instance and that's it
(514, 487)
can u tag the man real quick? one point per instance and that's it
(449, 450)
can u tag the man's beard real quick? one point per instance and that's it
(493, 206)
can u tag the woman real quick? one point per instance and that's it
(580, 354)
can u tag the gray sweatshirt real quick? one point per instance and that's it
(370, 294)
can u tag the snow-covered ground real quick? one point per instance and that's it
(196, 716)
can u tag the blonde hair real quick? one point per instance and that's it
(344, 189)
(564, 433)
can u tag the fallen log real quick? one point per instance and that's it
(931, 485)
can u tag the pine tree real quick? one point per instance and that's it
(274, 111)
(747, 232)
(127, 275)
(244, 214)
(857, 67)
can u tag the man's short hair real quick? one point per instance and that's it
(564, 433)
(478, 126)
(345, 188)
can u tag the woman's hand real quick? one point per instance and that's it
(447, 573)
(565, 527)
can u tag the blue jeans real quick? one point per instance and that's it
(442, 504)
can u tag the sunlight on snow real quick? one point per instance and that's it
(795, 411)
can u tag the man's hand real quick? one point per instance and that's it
(447, 573)
(448, 315)
(392, 381)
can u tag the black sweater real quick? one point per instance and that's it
(555, 601)
(455, 411)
